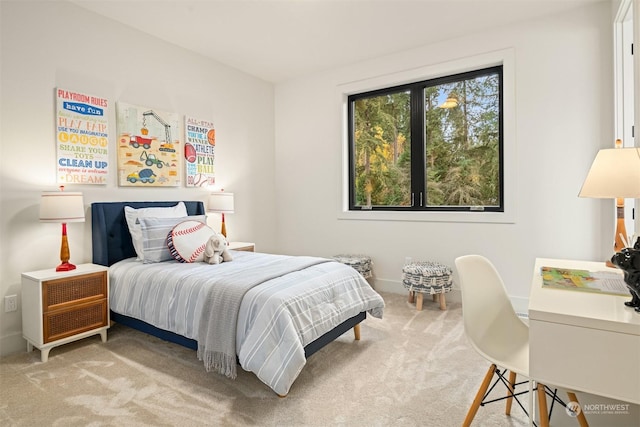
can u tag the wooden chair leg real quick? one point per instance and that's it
(582, 420)
(435, 297)
(542, 406)
(412, 296)
(479, 395)
(443, 303)
(419, 302)
(512, 383)
(356, 332)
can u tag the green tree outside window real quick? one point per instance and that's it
(453, 128)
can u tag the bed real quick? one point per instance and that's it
(286, 317)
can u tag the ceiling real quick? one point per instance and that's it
(279, 40)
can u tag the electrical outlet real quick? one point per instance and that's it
(10, 303)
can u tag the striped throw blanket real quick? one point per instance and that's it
(218, 323)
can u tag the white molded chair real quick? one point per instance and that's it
(497, 334)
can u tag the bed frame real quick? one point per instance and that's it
(112, 242)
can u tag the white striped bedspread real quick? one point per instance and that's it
(276, 320)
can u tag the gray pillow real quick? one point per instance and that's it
(133, 221)
(154, 236)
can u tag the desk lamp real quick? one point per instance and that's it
(615, 174)
(62, 206)
(221, 202)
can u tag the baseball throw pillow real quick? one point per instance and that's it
(187, 240)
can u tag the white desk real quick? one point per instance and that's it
(583, 341)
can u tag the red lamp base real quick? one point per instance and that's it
(223, 229)
(65, 266)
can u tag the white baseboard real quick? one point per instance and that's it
(396, 287)
(385, 285)
(520, 304)
(12, 343)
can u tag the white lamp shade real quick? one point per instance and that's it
(615, 173)
(220, 201)
(61, 206)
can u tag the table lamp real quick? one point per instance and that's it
(221, 202)
(62, 206)
(615, 174)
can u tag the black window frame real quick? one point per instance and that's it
(418, 143)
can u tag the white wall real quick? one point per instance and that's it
(56, 44)
(564, 114)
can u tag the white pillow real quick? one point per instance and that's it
(154, 236)
(132, 215)
(187, 240)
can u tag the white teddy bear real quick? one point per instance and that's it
(216, 250)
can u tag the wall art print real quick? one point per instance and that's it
(199, 152)
(82, 138)
(148, 146)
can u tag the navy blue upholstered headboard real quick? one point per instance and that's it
(110, 234)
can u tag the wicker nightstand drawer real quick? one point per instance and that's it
(64, 323)
(59, 293)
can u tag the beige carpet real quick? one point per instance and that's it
(409, 369)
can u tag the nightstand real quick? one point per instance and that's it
(61, 307)
(242, 246)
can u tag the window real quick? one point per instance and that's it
(433, 145)
(624, 95)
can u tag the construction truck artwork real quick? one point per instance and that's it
(145, 176)
(148, 147)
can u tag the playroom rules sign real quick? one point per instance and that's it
(82, 138)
